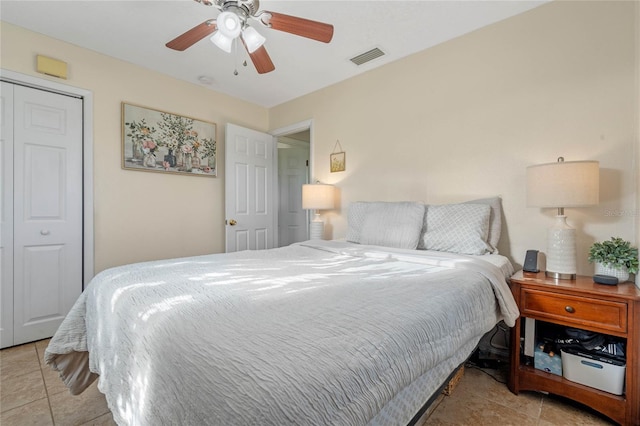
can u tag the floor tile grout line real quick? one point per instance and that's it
(22, 405)
(540, 408)
(44, 383)
(95, 418)
(23, 373)
(49, 396)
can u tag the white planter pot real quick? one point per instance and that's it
(621, 273)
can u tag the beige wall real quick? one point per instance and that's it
(464, 119)
(140, 216)
(461, 120)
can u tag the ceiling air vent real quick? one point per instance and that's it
(367, 56)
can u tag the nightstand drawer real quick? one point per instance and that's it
(574, 311)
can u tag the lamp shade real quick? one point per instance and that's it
(229, 24)
(252, 39)
(563, 184)
(222, 41)
(318, 196)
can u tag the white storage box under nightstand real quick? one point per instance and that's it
(593, 370)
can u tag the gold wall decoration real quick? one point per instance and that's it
(337, 158)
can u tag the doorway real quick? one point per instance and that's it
(294, 170)
(250, 193)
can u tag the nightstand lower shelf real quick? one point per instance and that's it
(530, 378)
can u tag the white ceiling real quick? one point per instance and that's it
(136, 31)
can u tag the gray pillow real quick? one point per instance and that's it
(495, 220)
(355, 220)
(458, 228)
(389, 224)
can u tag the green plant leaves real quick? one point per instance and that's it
(615, 252)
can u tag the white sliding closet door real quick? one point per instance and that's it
(47, 211)
(6, 215)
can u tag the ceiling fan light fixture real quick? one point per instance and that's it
(232, 21)
(229, 24)
(222, 41)
(252, 39)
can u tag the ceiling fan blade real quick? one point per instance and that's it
(299, 26)
(192, 36)
(261, 60)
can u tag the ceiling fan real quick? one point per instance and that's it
(233, 22)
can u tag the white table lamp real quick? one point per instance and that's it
(559, 185)
(317, 196)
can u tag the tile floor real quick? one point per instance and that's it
(479, 399)
(32, 394)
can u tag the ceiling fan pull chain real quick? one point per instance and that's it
(235, 56)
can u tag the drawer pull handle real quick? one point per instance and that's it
(569, 309)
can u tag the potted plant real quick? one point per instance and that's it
(614, 257)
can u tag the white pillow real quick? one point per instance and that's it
(458, 228)
(392, 224)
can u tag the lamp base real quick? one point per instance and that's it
(316, 230)
(559, 275)
(561, 250)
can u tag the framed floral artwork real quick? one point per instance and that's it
(159, 141)
(338, 162)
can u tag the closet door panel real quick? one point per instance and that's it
(44, 191)
(6, 215)
(43, 291)
(47, 210)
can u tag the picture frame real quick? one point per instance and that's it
(338, 161)
(164, 142)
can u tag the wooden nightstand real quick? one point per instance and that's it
(580, 303)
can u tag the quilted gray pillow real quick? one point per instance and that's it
(389, 224)
(495, 220)
(458, 228)
(355, 219)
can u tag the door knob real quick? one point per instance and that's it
(232, 222)
(44, 232)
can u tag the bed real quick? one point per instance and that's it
(317, 333)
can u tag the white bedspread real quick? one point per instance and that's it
(318, 333)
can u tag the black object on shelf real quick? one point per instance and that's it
(605, 279)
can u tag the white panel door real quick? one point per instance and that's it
(47, 210)
(6, 215)
(250, 167)
(293, 172)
